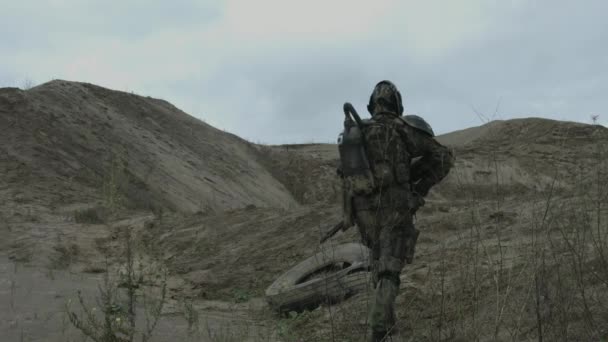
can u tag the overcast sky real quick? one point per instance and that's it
(278, 71)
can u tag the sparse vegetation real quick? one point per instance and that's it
(65, 255)
(241, 295)
(292, 327)
(28, 84)
(90, 215)
(113, 183)
(509, 272)
(192, 318)
(114, 317)
(513, 247)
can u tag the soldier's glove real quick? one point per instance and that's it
(416, 201)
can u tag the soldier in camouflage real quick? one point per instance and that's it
(384, 214)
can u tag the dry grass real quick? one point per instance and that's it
(514, 250)
(505, 271)
(114, 318)
(94, 215)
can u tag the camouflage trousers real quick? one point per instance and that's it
(391, 237)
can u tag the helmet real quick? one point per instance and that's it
(386, 93)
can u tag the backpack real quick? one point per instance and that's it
(373, 154)
(387, 151)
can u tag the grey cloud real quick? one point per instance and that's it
(553, 64)
(543, 58)
(36, 22)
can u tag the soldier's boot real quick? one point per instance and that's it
(382, 313)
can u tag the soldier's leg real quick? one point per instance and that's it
(393, 242)
(382, 315)
(370, 236)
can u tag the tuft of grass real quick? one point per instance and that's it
(94, 215)
(27, 84)
(65, 255)
(290, 328)
(241, 295)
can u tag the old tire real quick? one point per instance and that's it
(328, 276)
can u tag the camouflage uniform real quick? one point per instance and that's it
(385, 216)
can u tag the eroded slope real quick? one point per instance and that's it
(65, 139)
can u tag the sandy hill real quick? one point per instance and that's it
(237, 215)
(524, 155)
(71, 137)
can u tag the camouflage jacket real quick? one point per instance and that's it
(432, 162)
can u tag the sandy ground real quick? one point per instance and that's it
(34, 301)
(225, 217)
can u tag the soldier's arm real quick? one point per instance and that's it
(434, 164)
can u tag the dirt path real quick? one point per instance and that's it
(34, 299)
